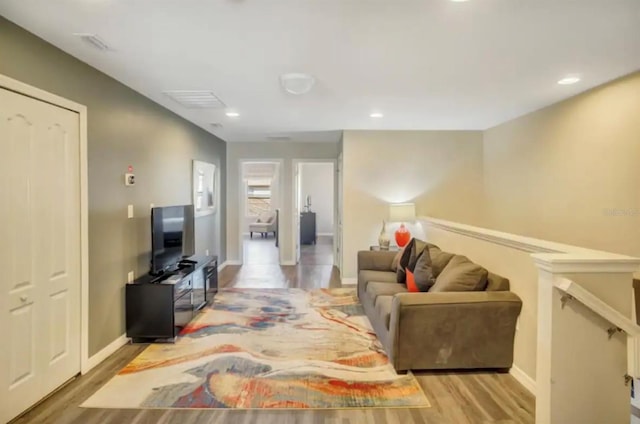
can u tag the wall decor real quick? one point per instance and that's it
(204, 188)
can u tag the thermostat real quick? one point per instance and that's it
(129, 179)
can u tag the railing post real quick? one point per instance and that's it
(580, 370)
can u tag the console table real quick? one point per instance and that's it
(159, 307)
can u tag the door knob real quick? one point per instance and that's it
(23, 298)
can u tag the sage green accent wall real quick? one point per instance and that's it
(124, 128)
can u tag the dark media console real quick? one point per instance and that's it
(158, 307)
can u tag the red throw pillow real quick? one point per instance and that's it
(411, 282)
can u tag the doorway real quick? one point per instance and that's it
(315, 209)
(261, 198)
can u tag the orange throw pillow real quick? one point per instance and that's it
(411, 282)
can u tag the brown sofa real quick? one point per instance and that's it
(438, 330)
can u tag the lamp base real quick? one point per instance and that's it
(402, 236)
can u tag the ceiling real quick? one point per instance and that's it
(424, 64)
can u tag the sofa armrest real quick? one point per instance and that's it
(379, 260)
(453, 329)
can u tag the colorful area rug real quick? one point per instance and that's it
(277, 348)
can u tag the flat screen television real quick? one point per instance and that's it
(172, 237)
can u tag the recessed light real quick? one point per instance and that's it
(232, 114)
(569, 79)
(376, 115)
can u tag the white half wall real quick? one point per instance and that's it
(316, 180)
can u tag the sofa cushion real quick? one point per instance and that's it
(366, 275)
(497, 282)
(383, 309)
(423, 272)
(266, 217)
(439, 260)
(461, 274)
(375, 289)
(396, 260)
(409, 257)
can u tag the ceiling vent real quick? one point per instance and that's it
(195, 99)
(93, 40)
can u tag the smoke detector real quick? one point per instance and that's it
(93, 40)
(297, 83)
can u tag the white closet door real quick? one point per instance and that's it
(39, 250)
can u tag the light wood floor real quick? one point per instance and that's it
(456, 397)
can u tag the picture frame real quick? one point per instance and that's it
(204, 188)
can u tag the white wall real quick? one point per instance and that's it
(316, 180)
(287, 151)
(441, 171)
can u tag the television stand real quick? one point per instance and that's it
(158, 307)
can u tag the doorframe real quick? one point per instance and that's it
(295, 238)
(242, 203)
(38, 94)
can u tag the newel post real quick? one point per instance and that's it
(581, 360)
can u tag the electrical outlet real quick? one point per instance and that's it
(130, 277)
(130, 211)
(206, 252)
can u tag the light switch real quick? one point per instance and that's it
(130, 211)
(206, 252)
(129, 179)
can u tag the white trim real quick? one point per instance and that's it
(36, 93)
(549, 256)
(524, 379)
(527, 244)
(107, 351)
(348, 282)
(325, 234)
(288, 263)
(585, 262)
(228, 263)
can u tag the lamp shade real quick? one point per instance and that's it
(402, 212)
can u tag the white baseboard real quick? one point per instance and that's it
(346, 282)
(107, 351)
(288, 263)
(227, 263)
(524, 379)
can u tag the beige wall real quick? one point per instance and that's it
(124, 128)
(441, 171)
(287, 151)
(552, 174)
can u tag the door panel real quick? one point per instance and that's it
(40, 221)
(21, 361)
